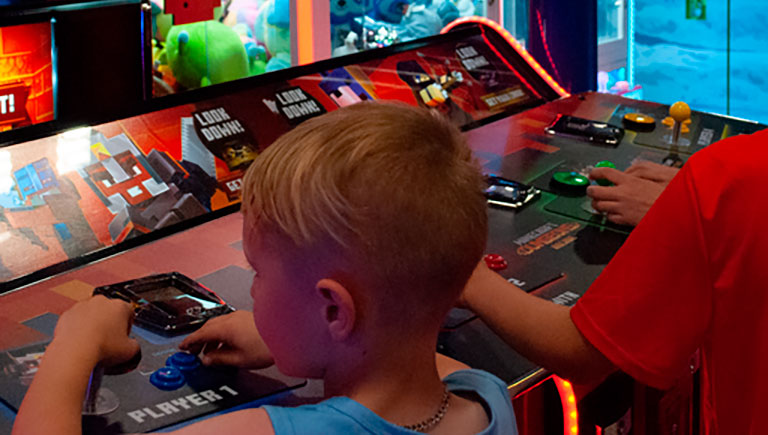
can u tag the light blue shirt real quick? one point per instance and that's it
(344, 415)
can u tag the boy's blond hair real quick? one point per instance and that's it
(394, 188)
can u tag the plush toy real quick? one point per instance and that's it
(419, 22)
(349, 46)
(242, 12)
(272, 27)
(344, 11)
(345, 15)
(447, 11)
(204, 53)
(394, 21)
(257, 55)
(391, 11)
(161, 22)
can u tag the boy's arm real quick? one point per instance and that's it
(91, 332)
(54, 401)
(536, 328)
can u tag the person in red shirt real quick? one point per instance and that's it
(691, 276)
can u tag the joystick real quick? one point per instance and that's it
(98, 400)
(679, 118)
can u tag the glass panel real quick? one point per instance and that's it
(748, 85)
(195, 44)
(364, 24)
(516, 19)
(610, 20)
(679, 59)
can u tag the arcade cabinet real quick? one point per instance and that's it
(69, 63)
(143, 206)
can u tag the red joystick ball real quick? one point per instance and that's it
(495, 262)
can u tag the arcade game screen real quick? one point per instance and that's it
(26, 75)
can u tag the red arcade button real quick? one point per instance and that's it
(495, 262)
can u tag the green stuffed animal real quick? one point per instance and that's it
(205, 53)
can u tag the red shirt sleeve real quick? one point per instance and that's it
(651, 307)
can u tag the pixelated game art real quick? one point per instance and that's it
(84, 190)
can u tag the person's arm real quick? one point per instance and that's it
(536, 328)
(92, 331)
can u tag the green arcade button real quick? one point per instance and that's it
(604, 164)
(571, 178)
(571, 183)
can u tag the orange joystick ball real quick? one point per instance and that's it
(680, 111)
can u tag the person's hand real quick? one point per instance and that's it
(230, 340)
(652, 171)
(627, 201)
(98, 327)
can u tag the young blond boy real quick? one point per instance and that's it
(362, 226)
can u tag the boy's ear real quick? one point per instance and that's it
(338, 308)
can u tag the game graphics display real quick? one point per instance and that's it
(101, 185)
(99, 190)
(26, 75)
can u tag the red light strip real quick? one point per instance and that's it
(525, 82)
(515, 45)
(546, 46)
(568, 399)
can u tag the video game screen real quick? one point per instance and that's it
(26, 75)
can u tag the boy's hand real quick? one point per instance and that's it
(627, 201)
(98, 327)
(230, 340)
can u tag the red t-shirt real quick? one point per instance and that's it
(694, 275)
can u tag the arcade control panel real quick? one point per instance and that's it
(161, 386)
(555, 244)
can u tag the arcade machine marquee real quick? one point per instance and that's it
(158, 193)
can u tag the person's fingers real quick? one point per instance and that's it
(604, 193)
(121, 352)
(124, 311)
(618, 218)
(223, 356)
(606, 206)
(604, 173)
(210, 332)
(652, 171)
(130, 349)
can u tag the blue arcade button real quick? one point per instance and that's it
(167, 378)
(186, 362)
